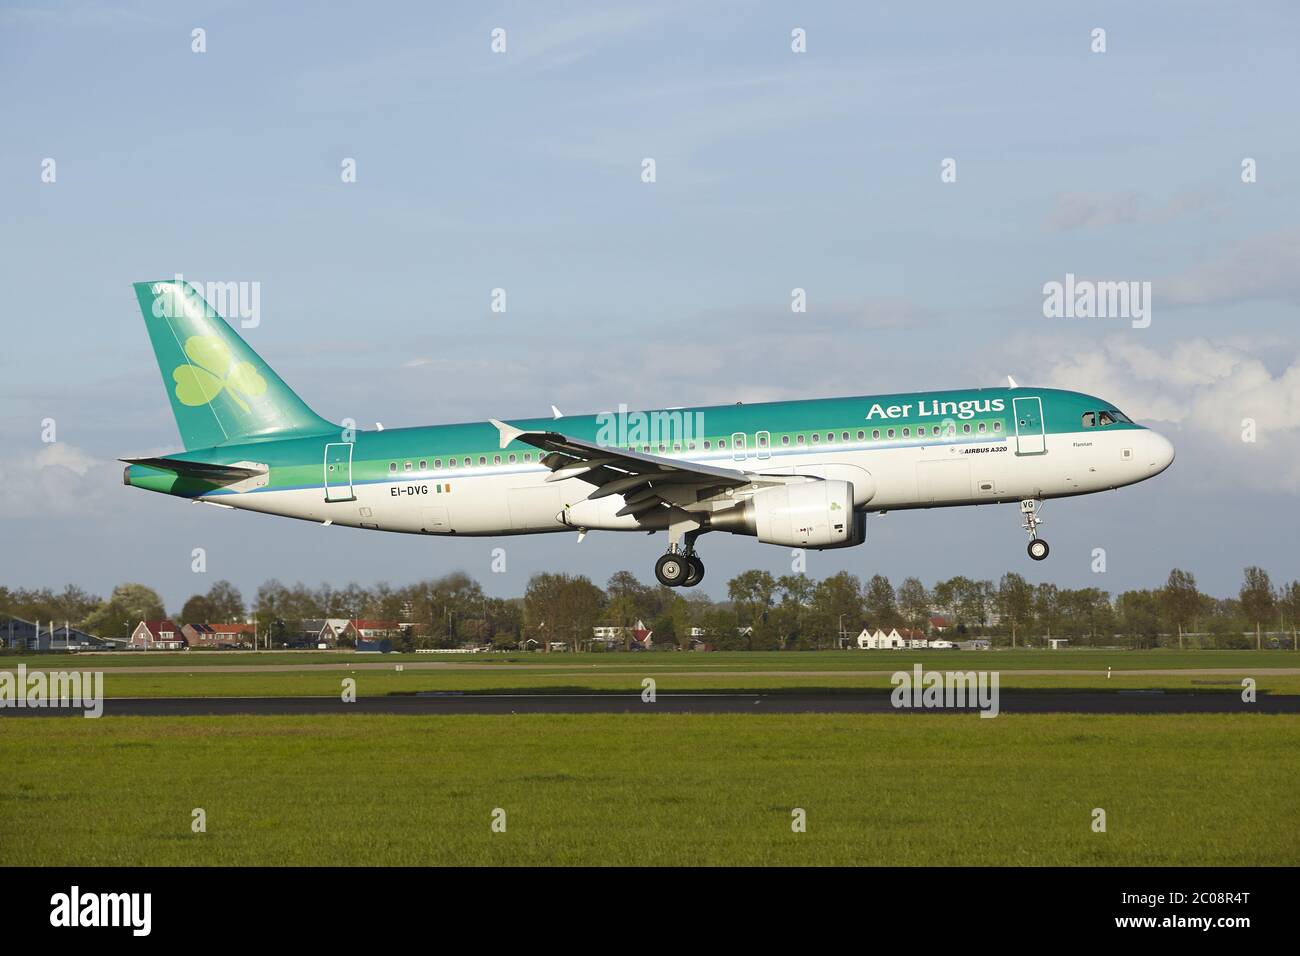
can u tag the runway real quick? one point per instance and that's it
(444, 704)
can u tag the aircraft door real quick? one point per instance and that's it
(1030, 436)
(338, 472)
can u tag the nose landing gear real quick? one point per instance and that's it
(1030, 509)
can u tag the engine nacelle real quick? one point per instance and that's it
(811, 514)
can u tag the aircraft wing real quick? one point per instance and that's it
(646, 481)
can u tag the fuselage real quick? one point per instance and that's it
(901, 451)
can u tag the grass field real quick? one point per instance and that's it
(379, 683)
(1076, 659)
(658, 789)
(199, 674)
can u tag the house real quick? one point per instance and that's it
(157, 636)
(221, 636)
(367, 630)
(880, 640)
(940, 624)
(642, 637)
(1057, 643)
(328, 630)
(915, 639)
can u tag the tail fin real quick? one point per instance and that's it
(220, 390)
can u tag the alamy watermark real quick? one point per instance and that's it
(953, 690)
(667, 430)
(42, 689)
(1086, 299)
(231, 300)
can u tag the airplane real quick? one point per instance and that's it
(799, 474)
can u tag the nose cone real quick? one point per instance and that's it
(1160, 452)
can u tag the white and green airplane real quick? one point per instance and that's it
(800, 474)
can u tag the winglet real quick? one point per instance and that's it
(556, 413)
(508, 432)
(1011, 382)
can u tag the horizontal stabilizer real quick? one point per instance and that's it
(222, 474)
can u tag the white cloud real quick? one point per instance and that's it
(59, 479)
(1206, 389)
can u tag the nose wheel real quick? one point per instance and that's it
(1030, 509)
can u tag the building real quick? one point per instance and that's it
(367, 630)
(157, 636)
(18, 634)
(219, 636)
(940, 624)
(329, 630)
(880, 640)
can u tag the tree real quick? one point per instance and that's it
(1289, 605)
(834, 600)
(128, 605)
(752, 595)
(1257, 600)
(1015, 602)
(881, 603)
(1180, 600)
(913, 602)
(1047, 607)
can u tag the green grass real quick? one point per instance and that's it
(370, 683)
(653, 789)
(1077, 659)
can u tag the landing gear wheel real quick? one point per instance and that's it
(671, 570)
(1038, 549)
(695, 572)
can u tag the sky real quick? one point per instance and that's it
(774, 170)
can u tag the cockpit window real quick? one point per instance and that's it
(1104, 419)
(1119, 416)
(1089, 419)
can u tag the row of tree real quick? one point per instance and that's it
(762, 611)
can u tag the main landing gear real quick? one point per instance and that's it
(680, 567)
(1030, 508)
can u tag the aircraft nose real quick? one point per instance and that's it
(1160, 451)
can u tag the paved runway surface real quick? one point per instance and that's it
(1010, 702)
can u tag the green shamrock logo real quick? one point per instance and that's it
(214, 369)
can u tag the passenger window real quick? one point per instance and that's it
(830, 436)
(437, 463)
(982, 428)
(512, 459)
(875, 434)
(482, 460)
(799, 439)
(816, 437)
(861, 435)
(785, 439)
(997, 426)
(907, 432)
(890, 433)
(424, 465)
(706, 446)
(844, 436)
(407, 467)
(966, 428)
(1089, 419)
(496, 459)
(392, 467)
(722, 443)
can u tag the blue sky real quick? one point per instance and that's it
(775, 170)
